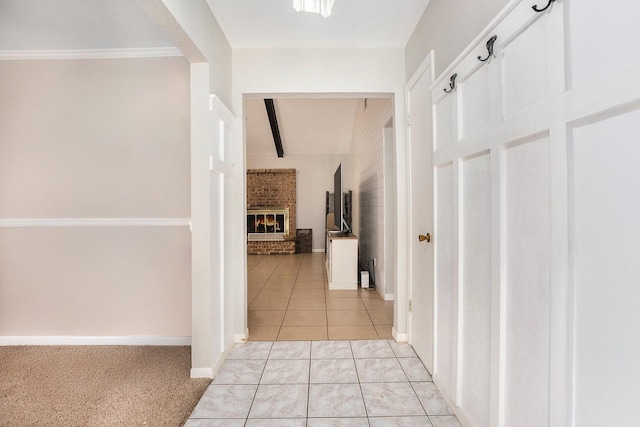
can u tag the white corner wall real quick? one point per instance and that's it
(94, 199)
(195, 30)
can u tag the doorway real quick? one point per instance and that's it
(287, 295)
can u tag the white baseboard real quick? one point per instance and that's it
(91, 340)
(318, 250)
(211, 372)
(227, 349)
(398, 336)
(241, 338)
(201, 373)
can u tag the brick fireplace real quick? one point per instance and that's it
(271, 200)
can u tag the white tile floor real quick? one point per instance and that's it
(373, 383)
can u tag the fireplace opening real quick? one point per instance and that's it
(267, 224)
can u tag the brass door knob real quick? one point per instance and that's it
(422, 237)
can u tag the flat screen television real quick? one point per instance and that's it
(339, 211)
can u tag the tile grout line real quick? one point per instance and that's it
(309, 357)
(258, 386)
(286, 309)
(325, 283)
(309, 382)
(297, 268)
(364, 403)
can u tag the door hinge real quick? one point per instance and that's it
(408, 120)
(410, 306)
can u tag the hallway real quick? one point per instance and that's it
(288, 299)
(290, 374)
(375, 383)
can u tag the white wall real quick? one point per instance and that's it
(604, 265)
(536, 216)
(94, 198)
(306, 71)
(605, 211)
(447, 27)
(367, 176)
(475, 237)
(314, 177)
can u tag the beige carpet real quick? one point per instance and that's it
(97, 386)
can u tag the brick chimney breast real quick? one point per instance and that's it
(273, 189)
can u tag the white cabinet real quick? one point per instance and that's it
(342, 261)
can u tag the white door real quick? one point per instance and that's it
(421, 167)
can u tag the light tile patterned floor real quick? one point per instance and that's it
(375, 383)
(288, 299)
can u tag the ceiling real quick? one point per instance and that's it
(307, 126)
(77, 25)
(114, 24)
(353, 23)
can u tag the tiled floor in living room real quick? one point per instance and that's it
(288, 299)
(352, 383)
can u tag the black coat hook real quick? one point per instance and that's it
(535, 6)
(490, 43)
(452, 83)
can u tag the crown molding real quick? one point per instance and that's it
(26, 55)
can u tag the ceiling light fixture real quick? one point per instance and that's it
(323, 7)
